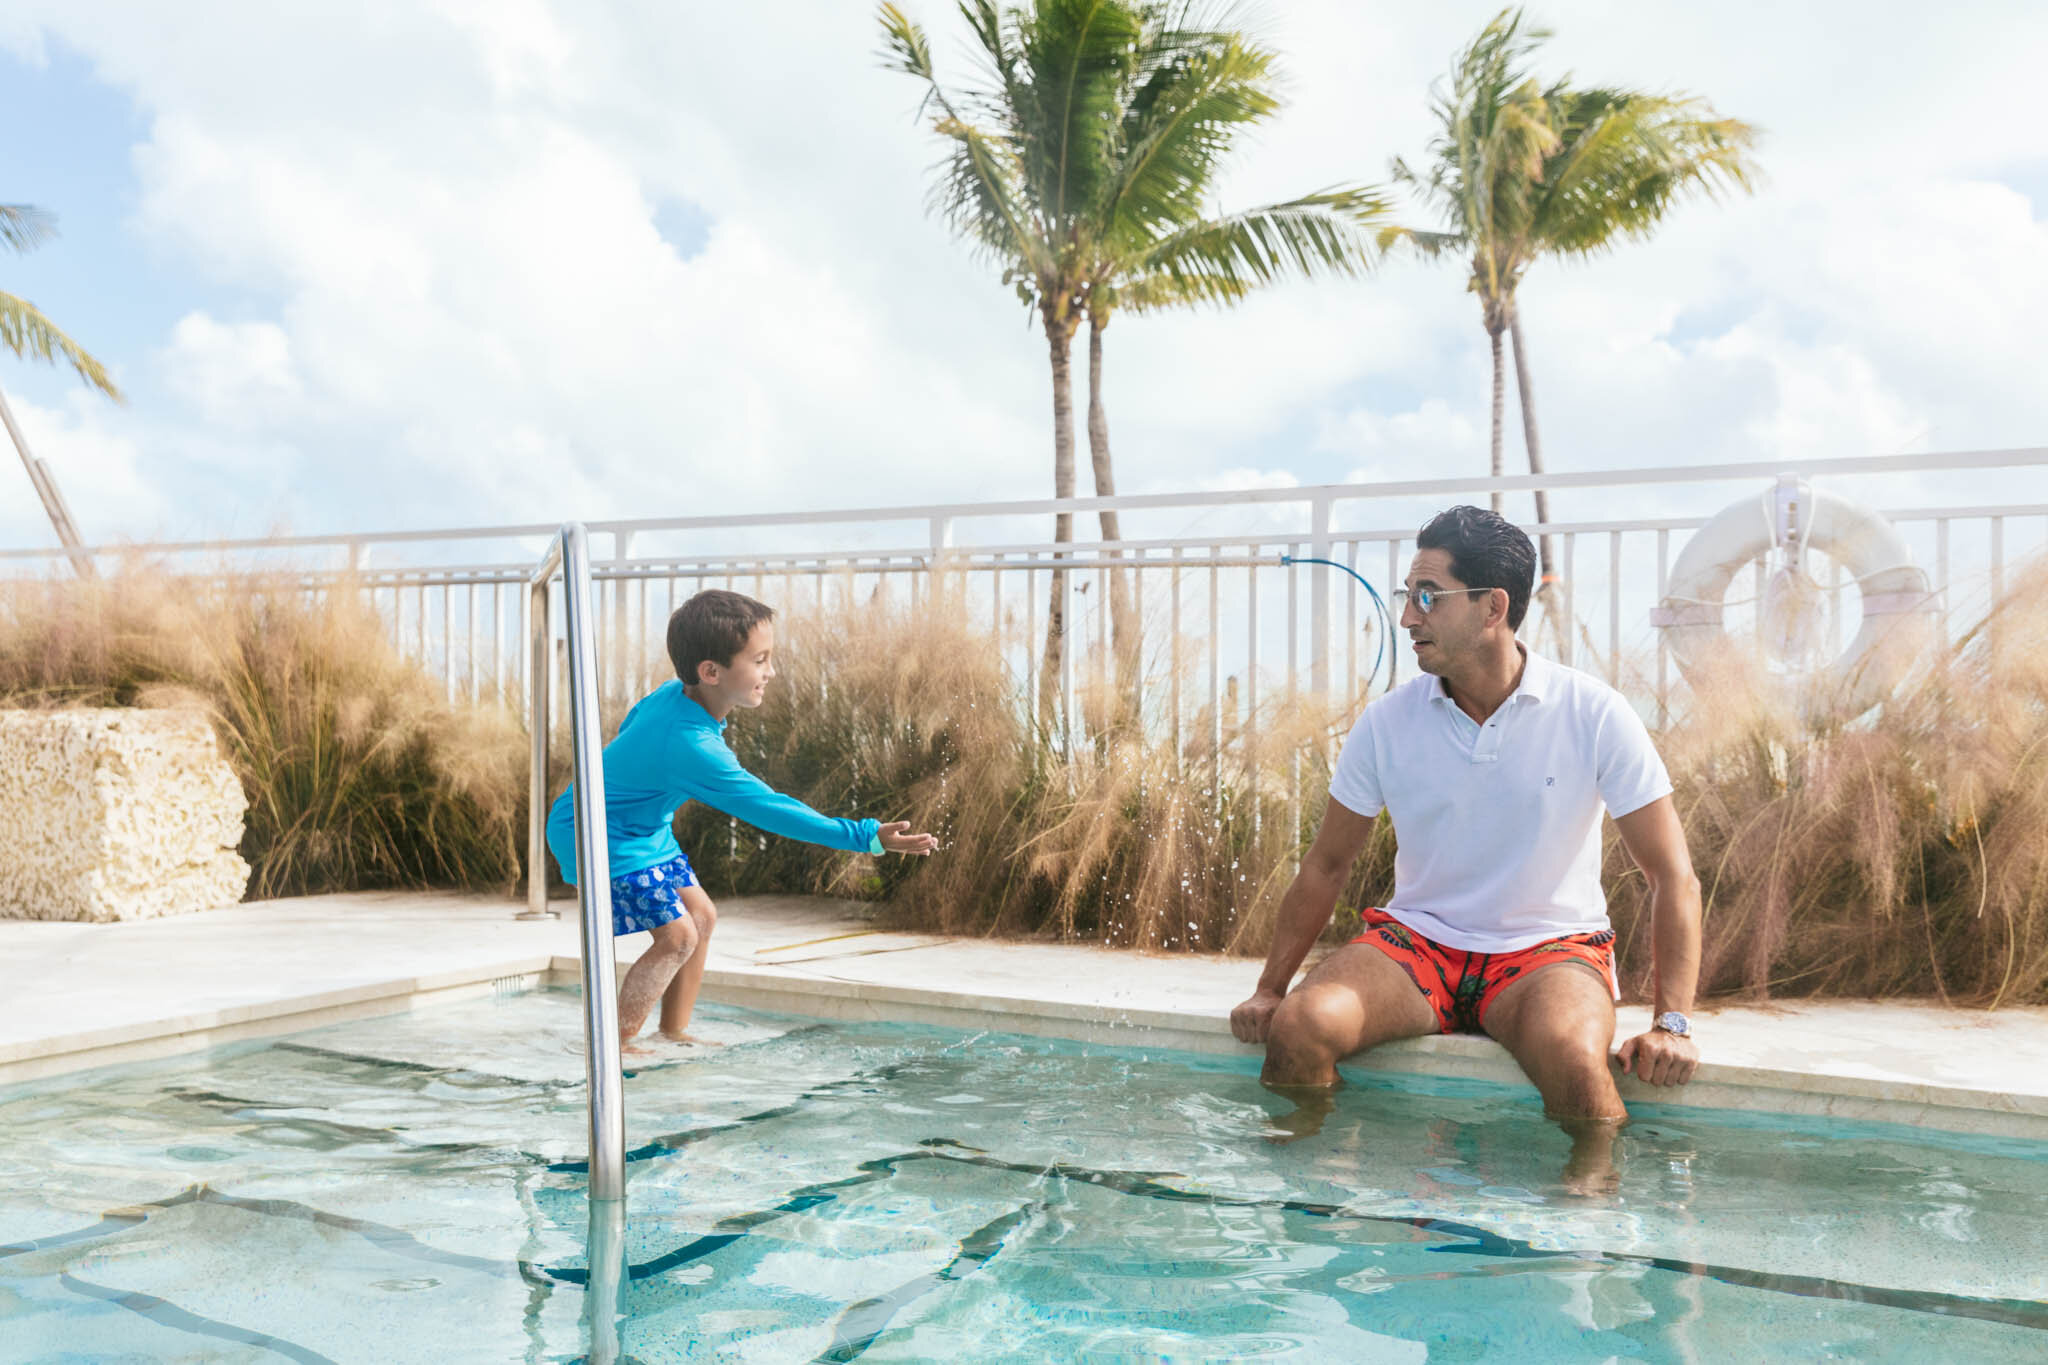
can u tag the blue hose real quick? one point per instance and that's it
(1386, 617)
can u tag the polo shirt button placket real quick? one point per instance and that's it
(1487, 750)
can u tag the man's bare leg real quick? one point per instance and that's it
(674, 944)
(680, 1000)
(1558, 1021)
(1356, 998)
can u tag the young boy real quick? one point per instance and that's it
(671, 750)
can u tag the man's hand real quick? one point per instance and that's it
(1251, 1020)
(897, 838)
(1660, 1058)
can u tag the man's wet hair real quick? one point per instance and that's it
(713, 625)
(1487, 551)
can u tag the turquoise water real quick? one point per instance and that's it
(404, 1190)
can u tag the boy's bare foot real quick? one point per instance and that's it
(633, 1047)
(689, 1038)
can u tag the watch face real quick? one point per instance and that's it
(1671, 1021)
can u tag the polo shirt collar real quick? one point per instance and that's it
(1539, 677)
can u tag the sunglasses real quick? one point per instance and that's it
(1425, 598)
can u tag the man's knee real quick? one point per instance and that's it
(706, 914)
(1565, 1040)
(1312, 1027)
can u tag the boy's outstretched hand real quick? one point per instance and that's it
(897, 838)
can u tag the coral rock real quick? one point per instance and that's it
(116, 815)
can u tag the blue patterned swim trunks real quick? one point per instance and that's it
(651, 897)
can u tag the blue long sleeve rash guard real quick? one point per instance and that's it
(669, 751)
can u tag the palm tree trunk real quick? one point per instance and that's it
(1059, 336)
(1499, 403)
(1123, 625)
(1546, 583)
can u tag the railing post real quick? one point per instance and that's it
(1063, 607)
(593, 882)
(1319, 596)
(539, 677)
(618, 642)
(605, 1259)
(942, 543)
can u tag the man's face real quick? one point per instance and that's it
(1456, 622)
(744, 681)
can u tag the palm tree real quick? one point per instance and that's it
(25, 331)
(1519, 171)
(1484, 165)
(1028, 154)
(1080, 168)
(1623, 159)
(1159, 246)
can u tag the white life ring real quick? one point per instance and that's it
(1899, 610)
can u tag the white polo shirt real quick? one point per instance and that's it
(1498, 825)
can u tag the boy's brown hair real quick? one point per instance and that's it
(712, 626)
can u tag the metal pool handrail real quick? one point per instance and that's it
(569, 555)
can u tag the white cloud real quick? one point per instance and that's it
(97, 467)
(451, 303)
(237, 375)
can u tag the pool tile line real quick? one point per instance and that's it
(657, 1147)
(108, 1225)
(650, 1150)
(386, 1238)
(273, 1115)
(1461, 1238)
(1469, 1240)
(167, 1314)
(861, 1323)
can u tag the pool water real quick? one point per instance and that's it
(408, 1190)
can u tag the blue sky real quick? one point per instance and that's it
(92, 276)
(387, 265)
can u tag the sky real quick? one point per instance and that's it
(407, 263)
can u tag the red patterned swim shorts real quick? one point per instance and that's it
(1459, 985)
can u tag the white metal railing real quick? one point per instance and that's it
(1229, 626)
(568, 555)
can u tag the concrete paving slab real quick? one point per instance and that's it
(79, 995)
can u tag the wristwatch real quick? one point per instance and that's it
(1671, 1021)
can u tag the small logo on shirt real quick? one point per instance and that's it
(1550, 782)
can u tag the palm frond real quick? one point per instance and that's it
(25, 227)
(1178, 128)
(904, 46)
(1075, 59)
(980, 196)
(1627, 157)
(1429, 245)
(1484, 163)
(1220, 259)
(980, 192)
(26, 332)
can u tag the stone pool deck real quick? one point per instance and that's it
(74, 996)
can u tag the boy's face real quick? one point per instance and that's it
(744, 681)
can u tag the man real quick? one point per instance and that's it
(1494, 765)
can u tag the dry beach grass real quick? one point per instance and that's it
(359, 773)
(1903, 854)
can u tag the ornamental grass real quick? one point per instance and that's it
(359, 773)
(1902, 854)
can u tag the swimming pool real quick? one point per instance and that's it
(407, 1190)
